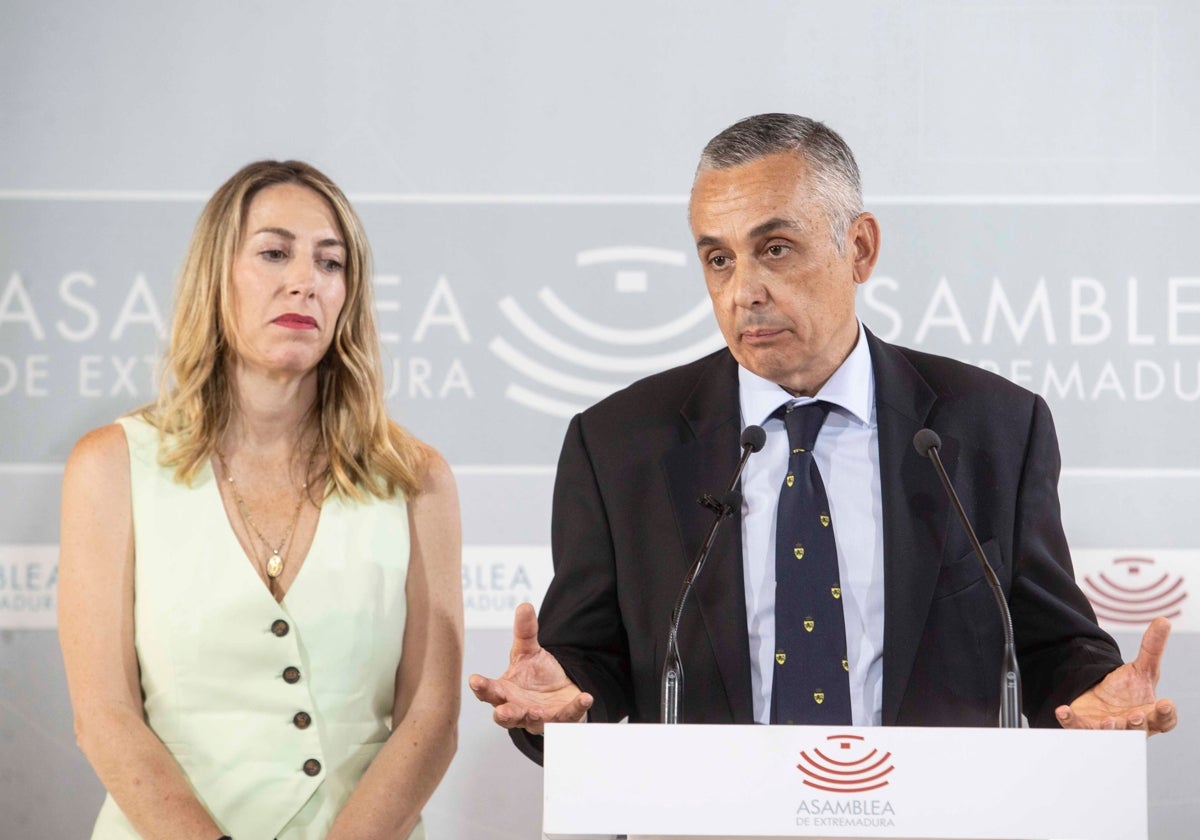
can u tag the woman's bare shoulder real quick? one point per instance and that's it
(436, 475)
(102, 449)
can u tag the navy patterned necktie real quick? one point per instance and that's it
(811, 680)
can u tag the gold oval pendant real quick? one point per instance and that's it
(274, 566)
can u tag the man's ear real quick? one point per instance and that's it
(862, 245)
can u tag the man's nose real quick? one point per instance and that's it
(749, 285)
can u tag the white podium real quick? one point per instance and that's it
(694, 781)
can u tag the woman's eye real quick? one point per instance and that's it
(274, 254)
(332, 266)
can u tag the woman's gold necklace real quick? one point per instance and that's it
(274, 565)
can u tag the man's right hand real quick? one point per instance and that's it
(534, 690)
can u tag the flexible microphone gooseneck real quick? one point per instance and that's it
(753, 438)
(927, 444)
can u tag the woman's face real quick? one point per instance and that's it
(288, 281)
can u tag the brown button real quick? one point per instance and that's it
(302, 720)
(280, 627)
(291, 674)
(312, 767)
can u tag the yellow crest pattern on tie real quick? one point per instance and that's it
(824, 520)
(799, 552)
(835, 591)
(819, 696)
(845, 664)
(791, 479)
(780, 657)
(809, 624)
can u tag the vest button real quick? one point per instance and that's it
(279, 627)
(312, 767)
(291, 674)
(302, 720)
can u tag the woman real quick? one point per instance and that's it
(260, 595)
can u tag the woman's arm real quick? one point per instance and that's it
(388, 799)
(95, 625)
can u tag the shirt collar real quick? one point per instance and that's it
(850, 388)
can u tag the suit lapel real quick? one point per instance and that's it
(914, 515)
(704, 464)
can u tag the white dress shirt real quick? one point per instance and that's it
(847, 454)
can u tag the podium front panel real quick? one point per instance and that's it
(843, 782)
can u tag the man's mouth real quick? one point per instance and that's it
(760, 334)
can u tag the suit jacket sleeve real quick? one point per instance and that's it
(1061, 649)
(580, 619)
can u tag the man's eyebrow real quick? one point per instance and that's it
(769, 226)
(772, 225)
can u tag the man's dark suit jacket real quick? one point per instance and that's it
(627, 525)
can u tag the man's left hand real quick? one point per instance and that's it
(1125, 699)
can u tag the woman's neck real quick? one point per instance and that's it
(271, 413)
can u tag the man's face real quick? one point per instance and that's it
(783, 296)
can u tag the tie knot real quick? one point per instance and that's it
(803, 423)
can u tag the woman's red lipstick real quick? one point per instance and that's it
(293, 321)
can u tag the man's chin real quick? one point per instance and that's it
(770, 365)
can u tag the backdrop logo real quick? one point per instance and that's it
(28, 586)
(496, 578)
(846, 764)
(560, 376)
(1132, 591)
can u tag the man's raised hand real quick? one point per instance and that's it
(1126, 698)
(534, 690)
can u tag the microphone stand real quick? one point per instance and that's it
(753, 439)
(927, 443)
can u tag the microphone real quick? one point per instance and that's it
(753, 438)
(927, 444)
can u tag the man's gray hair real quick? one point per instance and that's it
(834, 174)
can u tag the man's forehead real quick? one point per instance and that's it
(779, 174)
(760, 197)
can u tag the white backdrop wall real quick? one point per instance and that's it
(522, 169)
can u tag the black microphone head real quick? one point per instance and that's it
(925, 440)
(754, 437)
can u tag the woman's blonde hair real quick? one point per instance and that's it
(368, 453)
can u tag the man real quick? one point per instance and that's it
(776, 212)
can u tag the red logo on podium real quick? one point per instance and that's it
(1132, 591)
(845, 764)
